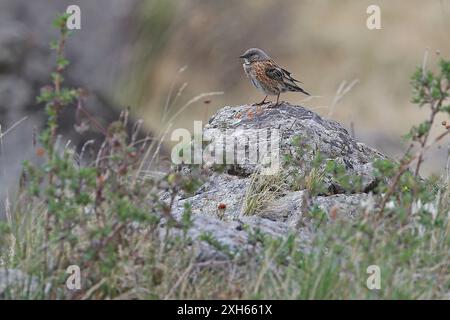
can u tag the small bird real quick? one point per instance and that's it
(267, 75)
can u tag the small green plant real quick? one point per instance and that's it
(432, 90)
(304, 174)
(55, 96)
(209, 238)
(319, 176)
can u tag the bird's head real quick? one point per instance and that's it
(254, 54)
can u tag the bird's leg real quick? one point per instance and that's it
(261, 103)
(258, 105)
(278, 98)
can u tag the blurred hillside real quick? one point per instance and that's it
(322, 42)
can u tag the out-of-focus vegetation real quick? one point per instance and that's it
(322, 42)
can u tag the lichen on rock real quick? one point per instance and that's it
(221, 205)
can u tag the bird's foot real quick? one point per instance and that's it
(275, 105)
(257, 104)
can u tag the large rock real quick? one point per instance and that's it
(296, 125)
(229, 205)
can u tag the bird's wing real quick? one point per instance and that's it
(277, 73)
(289, 75)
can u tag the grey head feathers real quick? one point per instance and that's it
(255, 54)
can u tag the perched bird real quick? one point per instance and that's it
(267, 75)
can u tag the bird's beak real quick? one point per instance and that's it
(242, 56)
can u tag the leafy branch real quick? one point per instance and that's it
(431, 90)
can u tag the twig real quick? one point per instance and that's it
(193, 100)
(340, 93)
(12, 127)
(180, 90)
(404, 167)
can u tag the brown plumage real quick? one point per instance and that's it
(267, 75)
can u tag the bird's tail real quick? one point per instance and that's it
(296, 88)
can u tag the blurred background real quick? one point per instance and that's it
(156, 55)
